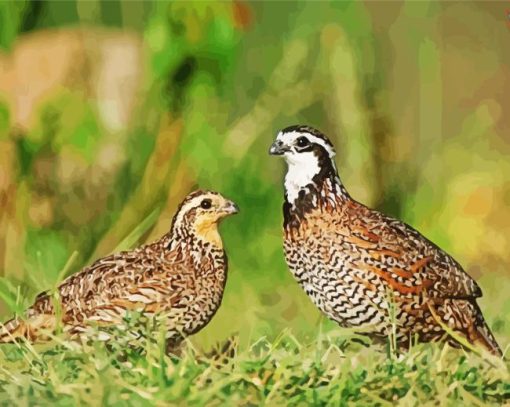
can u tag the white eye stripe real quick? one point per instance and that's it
(289, 139)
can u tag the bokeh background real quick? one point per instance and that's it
(111, 112)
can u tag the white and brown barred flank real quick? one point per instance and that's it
(356, 263)
(180, 277)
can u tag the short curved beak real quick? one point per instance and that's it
(278, 148)
(231, 208)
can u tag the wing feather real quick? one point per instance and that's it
(114, 285)
(405, 258)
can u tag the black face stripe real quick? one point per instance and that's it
(308, 148)
(300, 128)
(302, 141)
(318, 149)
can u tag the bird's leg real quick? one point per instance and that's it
(174, 346)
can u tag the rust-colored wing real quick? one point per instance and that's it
(406, 260)
(415, 263)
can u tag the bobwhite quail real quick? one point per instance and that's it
(364, 269)
(179, 277)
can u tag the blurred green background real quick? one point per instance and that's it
(111, 112)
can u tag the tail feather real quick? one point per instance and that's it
(33, 329)
(465, 318)
(483, 333)
(12, 330)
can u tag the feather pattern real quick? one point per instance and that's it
(181, 276)
(357, 264)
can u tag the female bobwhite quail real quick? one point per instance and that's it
(179, 277)
(364, 269)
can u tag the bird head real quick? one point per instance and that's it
(302, 145)
(309, 156)
(200, 213)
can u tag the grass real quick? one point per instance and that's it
(332, 369)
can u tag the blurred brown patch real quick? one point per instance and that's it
(105, 65)
(49, 82)
(243, 14)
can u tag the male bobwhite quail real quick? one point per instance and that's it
(364, 269)
(179, 277)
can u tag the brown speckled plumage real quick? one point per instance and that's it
(180, 277)
(364, 269)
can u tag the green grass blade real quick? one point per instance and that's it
(130, 240)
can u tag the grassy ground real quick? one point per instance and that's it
(330, 369)
(310, 362)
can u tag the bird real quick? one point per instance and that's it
(366, 270)
(179, 278)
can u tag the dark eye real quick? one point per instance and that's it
(206, 203)
(302, 142)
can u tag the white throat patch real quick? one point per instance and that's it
(302, 168)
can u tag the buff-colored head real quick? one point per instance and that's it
(200, 213)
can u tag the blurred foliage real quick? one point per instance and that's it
(110, 112)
